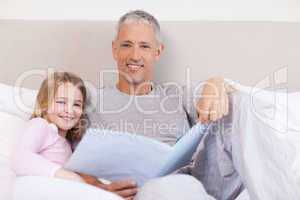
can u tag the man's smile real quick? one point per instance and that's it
(134, 67)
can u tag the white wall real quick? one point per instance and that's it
(231, 10)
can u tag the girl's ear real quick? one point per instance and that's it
(37, 111)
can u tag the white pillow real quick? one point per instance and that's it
(17, 101)
(10, 126)
(20, 101)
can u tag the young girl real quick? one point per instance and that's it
(57, 122)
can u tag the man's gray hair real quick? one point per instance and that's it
(140, 16)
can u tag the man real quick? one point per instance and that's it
(139, 106)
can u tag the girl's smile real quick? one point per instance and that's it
(66, 108)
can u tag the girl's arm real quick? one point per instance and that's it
(27, 156)
(66, 174)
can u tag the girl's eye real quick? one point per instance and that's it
(60, 102)
(77, 104)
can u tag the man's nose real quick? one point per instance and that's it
(135, 54)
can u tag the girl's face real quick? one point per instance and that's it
(66, 108)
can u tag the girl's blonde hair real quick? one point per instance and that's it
(47, 93)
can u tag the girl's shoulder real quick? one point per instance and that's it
(41, 123)
(38, 121)
(42, 129)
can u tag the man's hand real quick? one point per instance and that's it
(214, 101)
(91, 180)
(126, 189)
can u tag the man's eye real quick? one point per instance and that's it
(145, 46)
(77, 104)
(125, 45)
(60, 102)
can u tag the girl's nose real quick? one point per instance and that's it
(69, 108)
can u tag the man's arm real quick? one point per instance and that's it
(126, 188)
(214, 101)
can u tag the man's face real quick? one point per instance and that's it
(136, 49)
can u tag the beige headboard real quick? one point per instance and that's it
(244, 51)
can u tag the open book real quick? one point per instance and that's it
(117, 155)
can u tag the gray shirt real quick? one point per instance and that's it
(164, 114)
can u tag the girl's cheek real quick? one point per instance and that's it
(78, 112)
(51, 110)
(59, 107)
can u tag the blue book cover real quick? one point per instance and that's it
(115, 155)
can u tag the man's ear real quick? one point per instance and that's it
(159, 50)
(114, 49)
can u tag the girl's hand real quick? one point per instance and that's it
(69, 175)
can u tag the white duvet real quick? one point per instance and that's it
(266, 149)
(266, 143)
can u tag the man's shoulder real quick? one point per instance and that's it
(158, 89)
(108, 90)
(169, 89)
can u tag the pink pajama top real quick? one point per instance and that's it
(41, 151)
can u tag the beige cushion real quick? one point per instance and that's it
(194, 50)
